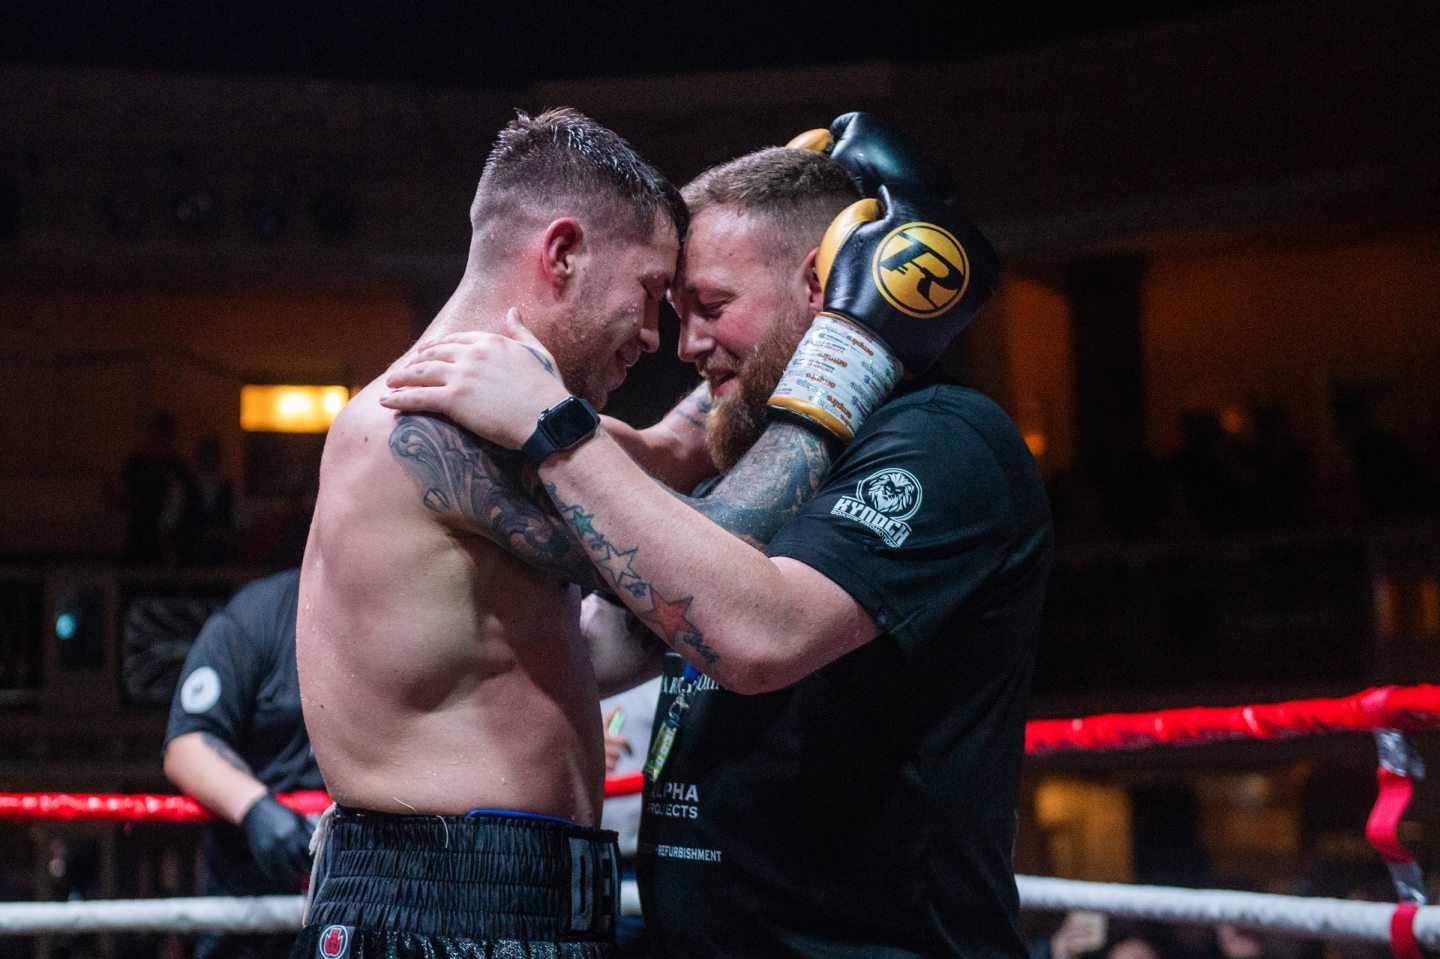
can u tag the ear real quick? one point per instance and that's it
(559, 248)
(814, 289)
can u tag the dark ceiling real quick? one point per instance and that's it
(497, 43)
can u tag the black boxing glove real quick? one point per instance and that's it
(915, 277)
(875, 152)
(902, 276)
(279, 840)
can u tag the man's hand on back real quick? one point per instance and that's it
(492, 385)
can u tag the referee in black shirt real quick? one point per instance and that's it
(235, 739)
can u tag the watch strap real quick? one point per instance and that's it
(563, 426)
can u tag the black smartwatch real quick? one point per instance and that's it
(565, 425)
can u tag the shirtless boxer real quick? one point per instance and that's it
(445, 685)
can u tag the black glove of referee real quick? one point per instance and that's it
(279, 840)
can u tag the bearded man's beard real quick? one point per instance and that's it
(737, 420)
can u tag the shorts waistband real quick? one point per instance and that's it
(480, 876)
(520, 814)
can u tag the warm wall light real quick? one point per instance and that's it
(1234, 420)
(290, 409)
(1429, 605)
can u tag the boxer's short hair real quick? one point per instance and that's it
(796, 192)
(561, 162)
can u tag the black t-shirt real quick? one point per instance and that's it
(870, 809)
(239, 683)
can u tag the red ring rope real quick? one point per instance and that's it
(1383, 827)
(1386, 707)
(77, 807)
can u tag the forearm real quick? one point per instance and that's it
(710, 596)
(205, 768)
(623, 650)
(673, 450)
(765, 490)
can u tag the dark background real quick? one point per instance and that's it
(509, 42)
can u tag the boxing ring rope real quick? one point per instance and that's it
(1388, 713)
(1334, 919)
(1404, 708)
(184, 915)
(1310, 917)
(115, 807)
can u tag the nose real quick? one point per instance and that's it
(695, 339)
(650, 329)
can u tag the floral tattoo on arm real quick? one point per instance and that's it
(488, 490)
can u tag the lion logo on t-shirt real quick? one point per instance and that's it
(882, 502)
(893, 492)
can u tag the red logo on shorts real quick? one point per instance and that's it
(334, 942)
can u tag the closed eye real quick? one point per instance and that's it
(711, 310)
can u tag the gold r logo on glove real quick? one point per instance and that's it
(920, 269)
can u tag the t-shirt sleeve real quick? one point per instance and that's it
(219, 681)
(914, 518)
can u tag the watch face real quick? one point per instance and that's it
(570, 421)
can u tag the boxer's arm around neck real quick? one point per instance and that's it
(673, 450)
(768, 486)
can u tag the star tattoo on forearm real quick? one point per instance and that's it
(669, 618)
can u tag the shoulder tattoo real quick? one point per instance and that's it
(478, 486)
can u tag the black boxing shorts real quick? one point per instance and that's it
(490, 885)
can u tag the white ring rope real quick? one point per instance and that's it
(190, 914)
(1302, 916)
(1299, 916)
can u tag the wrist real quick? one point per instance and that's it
(256, 811)
(838, 376)
(560, 428)
(243, 801)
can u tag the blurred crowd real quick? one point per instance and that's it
(187, 510)
(1244, 469)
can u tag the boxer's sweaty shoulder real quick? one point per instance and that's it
(438, 671)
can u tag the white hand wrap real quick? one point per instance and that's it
(839, 374)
